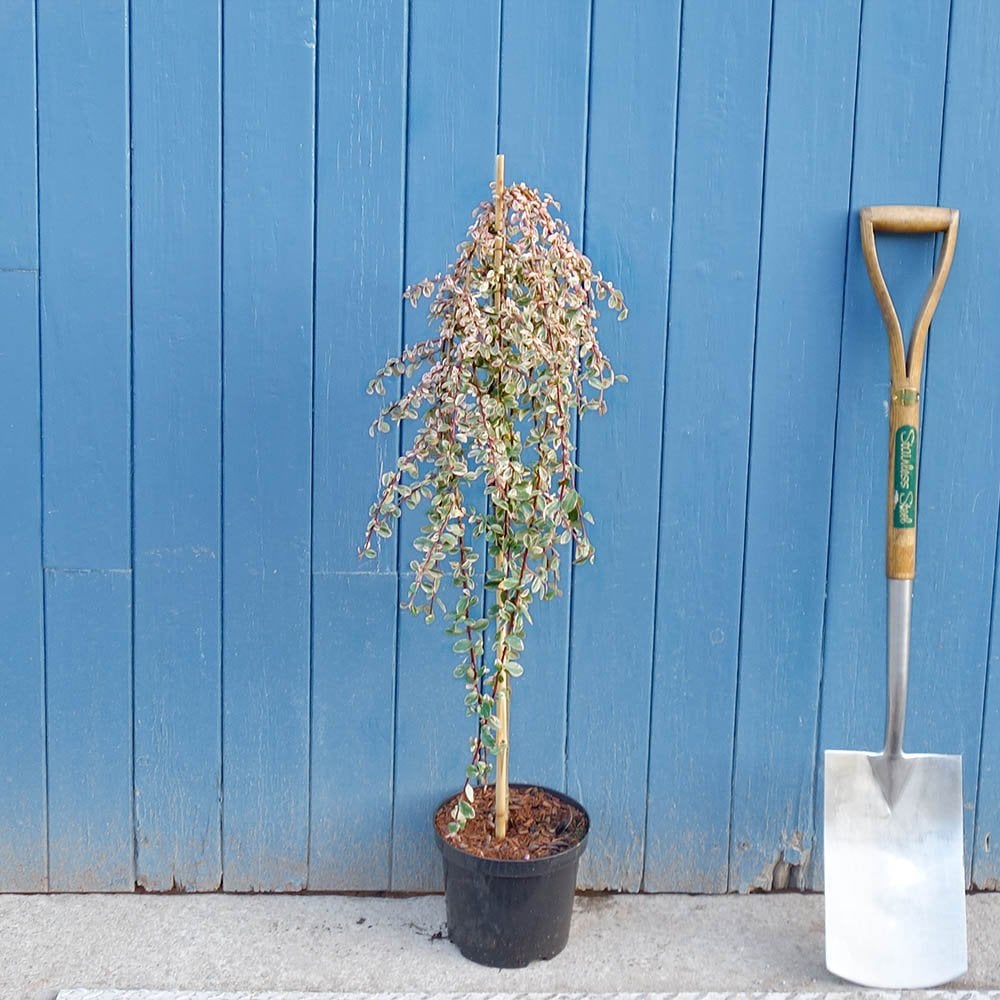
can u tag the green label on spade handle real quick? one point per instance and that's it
(904, 507)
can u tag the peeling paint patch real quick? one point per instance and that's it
(788, 868)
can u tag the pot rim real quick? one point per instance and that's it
(515, 867)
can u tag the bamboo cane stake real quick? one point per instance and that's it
(503, 691)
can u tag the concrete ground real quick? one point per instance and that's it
(351, 944)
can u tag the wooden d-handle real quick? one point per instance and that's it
(910, 218)
(905, 368)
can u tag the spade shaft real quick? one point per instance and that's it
(899, 605)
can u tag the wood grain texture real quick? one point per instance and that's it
(896, 153)
(706, 433)
(176, 234)
(799, 307)
(359, 248)
(611, 643)
(269, 71)
(960, 486)
(451, 142)
(83, 130)
(543, 122)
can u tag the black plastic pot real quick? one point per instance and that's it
(508, 913)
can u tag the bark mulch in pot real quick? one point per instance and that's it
(540, 825)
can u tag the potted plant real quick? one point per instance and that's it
(491, 467)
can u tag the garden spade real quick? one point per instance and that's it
(894, 871)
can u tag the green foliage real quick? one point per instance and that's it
(493, 396)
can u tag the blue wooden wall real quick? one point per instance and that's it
(207, 214)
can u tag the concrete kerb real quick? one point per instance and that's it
(159, 995)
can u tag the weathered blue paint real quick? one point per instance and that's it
(961, 454)
(897, 138)
(959, 492)
(88, 638)
(269, 54)
(22, 711)
(543, 132)
(18, 194)
(85, 356)
(83, 151)
(359, 273)
(611, 641)
(176, 239)
(984, 847)
(354, 658)
(228, 201)
(452, 117)
(799, 308)
(706, 434)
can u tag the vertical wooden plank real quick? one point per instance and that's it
(83, 87)
(628, 222)
(354, 652)
(984, 848)
(800, 304)
(360, 155)
(22, 712)
(717, 202)
(961, 455)
(896, 157)
(18, 195)
(176, 289)
(452, 114)
(84, 204)
(268, 116)
(543, 123)
(960, 461)
(88, 640)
